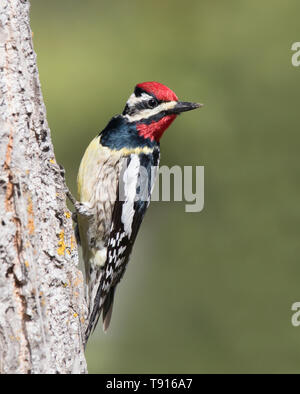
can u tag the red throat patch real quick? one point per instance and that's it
(155, 130)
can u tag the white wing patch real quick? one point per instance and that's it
(130, 179)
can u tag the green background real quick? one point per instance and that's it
(209, 291)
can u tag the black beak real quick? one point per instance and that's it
(183, 106)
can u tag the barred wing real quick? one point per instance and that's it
(136, 183)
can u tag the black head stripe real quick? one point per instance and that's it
(140, 106)
(138, 91)
(126, 110)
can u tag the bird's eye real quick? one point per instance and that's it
(152, 103)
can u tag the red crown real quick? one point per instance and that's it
(160, 91)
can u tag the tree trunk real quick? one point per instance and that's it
(42, 306)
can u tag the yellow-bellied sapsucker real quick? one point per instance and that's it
(114, 192)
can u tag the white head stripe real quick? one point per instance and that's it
(146, 113)
(133, 100)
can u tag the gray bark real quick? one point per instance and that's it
(42, 307)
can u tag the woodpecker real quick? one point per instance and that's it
(113, 194)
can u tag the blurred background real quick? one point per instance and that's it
(210, 291)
